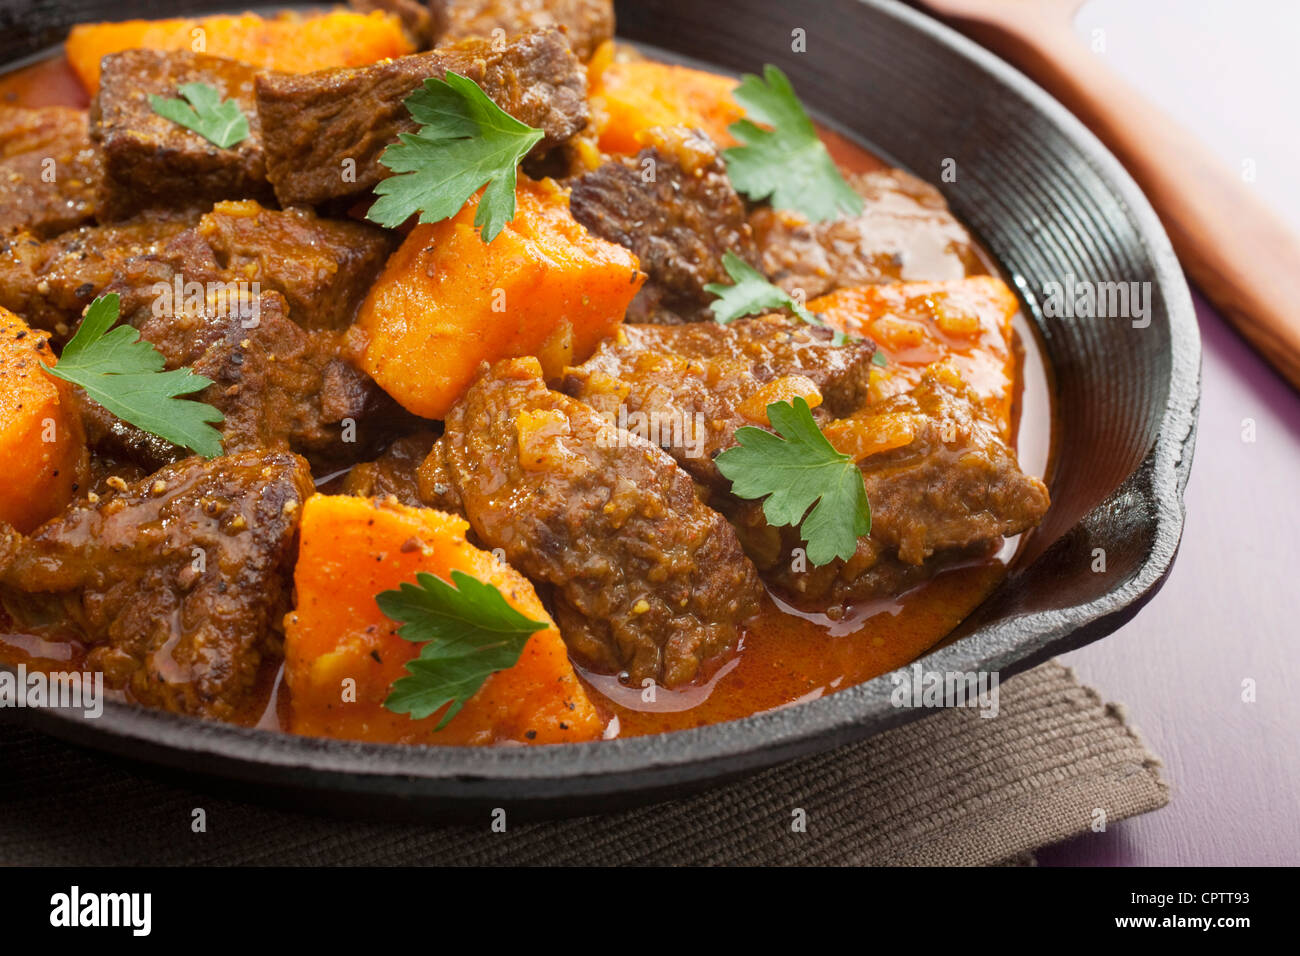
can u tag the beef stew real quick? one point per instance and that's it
(583, 453)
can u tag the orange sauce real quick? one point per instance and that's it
(49, 82)
(785, 656)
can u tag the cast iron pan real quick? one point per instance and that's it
(1045, 198)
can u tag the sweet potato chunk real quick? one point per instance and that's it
(446, 301)
(351, 550)
(42, 448)
(966, 322)
(289, 42)
(629, 97)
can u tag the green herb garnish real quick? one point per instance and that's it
(787, 163)
(125, 374)
(468, 631)
(798, 469)
(206, 113)
(465, 142)
(752, 294)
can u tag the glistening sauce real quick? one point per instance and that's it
(786, 656)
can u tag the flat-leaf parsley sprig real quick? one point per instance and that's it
(465, 142)
(752, 294)
(788, 163)
(468, 632)
(204, 111)
(125, 374)
(803, 481)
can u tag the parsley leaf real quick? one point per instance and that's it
(465, 142)
(469, 632)
(125, 375)
(752, 294)
(216, 120)
(798, 469)
(788, 163)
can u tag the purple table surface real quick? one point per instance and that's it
(1226, 619)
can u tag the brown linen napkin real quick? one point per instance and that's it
(952, 789)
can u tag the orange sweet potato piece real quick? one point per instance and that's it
(354, 548)
(629, 97)
(966, 322)
(446, 301)
(290, 42)
(42, 447)
(784, 389)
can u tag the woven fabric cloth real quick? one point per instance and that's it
(952, 789)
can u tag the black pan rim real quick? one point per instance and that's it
(662, 762)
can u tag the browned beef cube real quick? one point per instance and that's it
(586, 23)
(684, 386)
(49, 283)
(325, 131)
(49, 171)
(280, 386)
(395, 472)
(953, 490)
(178, 583)
(672, 205)
(645, 578)
(322, 267)
(905, 232)
(150, 160)
(277, 384)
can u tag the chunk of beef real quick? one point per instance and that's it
(50, 172)
(956, 483)
(50, 282)
(776, 347)
(585, 23)
(905, 232)
(322, 267)
(151, 161)
(645, 578)
(689, 387)
(672, 205)
(178, 582)
(315, 124)
(947, 486)
(395, 472)
(436, 487)
(279, 385)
